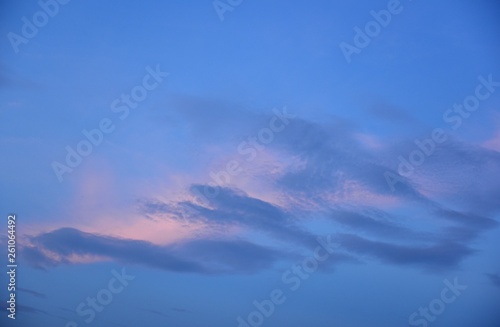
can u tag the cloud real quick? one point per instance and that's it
(494, 143)
(468, 226)
(34, 293)
(237, 255)
(156, 313)
(10, 78)
(211, 120)
(443, 248)
(180, 309)
(375, 222)
(198, 256)
(436, 257)
(471, 220)
(326, 174)
(462, 174)
(31, 310)
(37, 258)
(326, 150)
(234, 207)
(332, 154)
(27, 315)
(391, 113)
(494, 279)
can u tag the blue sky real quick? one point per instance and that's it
(225, 153)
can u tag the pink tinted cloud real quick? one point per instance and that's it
(493, 143)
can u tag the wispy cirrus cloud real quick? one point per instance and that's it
(326, 174)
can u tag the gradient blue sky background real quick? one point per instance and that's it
(132, 201)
